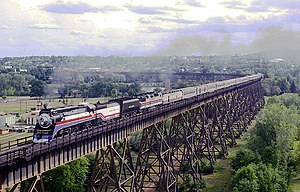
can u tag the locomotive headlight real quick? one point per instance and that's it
(44, 120)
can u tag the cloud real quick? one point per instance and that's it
(290, 4)
(146, 20)
(270, 41)
(193, 3)
(4, 27)
(256, 9)
(234, 4)
(145, 10)
(154, 29)
(161, 19)
(77, 33)
(75, 8)
(240, 24)
(44, 26)
(151, 10)
(89, 34)
(292, 17)
(176, 20)
(161, 25)
(91, 50)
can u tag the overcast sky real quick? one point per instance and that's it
(147, 27)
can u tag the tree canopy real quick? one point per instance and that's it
(270, 160)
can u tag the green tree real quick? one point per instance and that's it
(66, 90)
(283, 84)
(270, 179)
(67, 178)
(293, 87)
(114, 92)
(259, 177)
(134, 141)
(294, 161)
(59, 179)
(14, 84)
(37, 88)
(245, 180)
(243, 158)
(62, 91)
(274, 133)
(41, 73)
(134, 89)
(84, 89)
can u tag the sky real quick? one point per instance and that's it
(148, 27)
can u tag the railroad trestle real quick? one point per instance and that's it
(178, 144)
(181, 148)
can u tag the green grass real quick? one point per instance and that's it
(220, 181)
(13, 136)
(296, 184)
(21, 104)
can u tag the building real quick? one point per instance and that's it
(31, 118)
(7, 120)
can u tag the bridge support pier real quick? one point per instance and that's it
(113, 169)
(154, 166)
(184, 149)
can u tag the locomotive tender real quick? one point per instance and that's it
(54, 122)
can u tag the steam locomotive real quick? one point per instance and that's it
(54, 122)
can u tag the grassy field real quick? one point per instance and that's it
(13, 136)
(23, 104)
(296, 184)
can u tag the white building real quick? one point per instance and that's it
(31, 118)
(7, 120)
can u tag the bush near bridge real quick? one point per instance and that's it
(72, 177)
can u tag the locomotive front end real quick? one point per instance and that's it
(44, 127)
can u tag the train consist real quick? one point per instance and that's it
(54, 122)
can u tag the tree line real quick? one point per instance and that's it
(99, 88)
(14, 84)
(280, 76)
